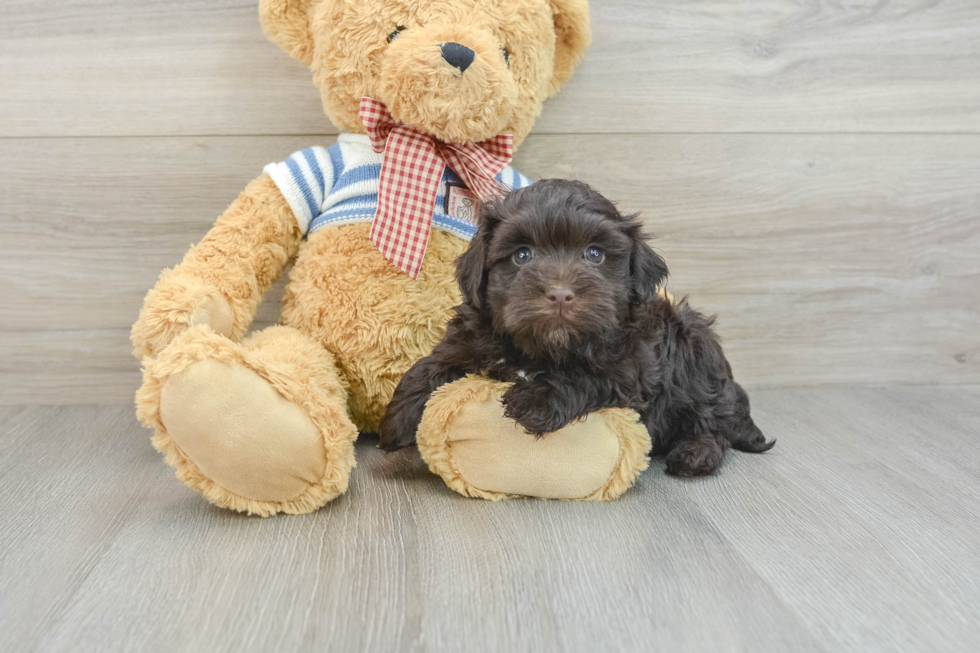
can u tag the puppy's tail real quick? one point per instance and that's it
(757, 445)
(749, 438)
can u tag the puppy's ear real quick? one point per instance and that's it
(648, 270)
(471, 266)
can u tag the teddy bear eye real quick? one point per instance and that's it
(506, 54)
(594, 255)
(522, 256)
(394, 35)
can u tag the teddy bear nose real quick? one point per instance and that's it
(457, 55)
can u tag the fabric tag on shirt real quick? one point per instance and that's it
(461, 203)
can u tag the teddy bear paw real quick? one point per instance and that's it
(466, 438)
(258, 426)
(241, 433)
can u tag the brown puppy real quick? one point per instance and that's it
(561, 299)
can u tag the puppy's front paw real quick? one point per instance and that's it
(395, 433)
(534, 408)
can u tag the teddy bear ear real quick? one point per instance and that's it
(287, 24)
(572, 38)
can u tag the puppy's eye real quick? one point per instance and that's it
(506, 54)
(594, 255)
(394, 35)
(522, 256)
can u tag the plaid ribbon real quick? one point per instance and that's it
(410, 176)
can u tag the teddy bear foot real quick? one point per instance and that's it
(259, 427)
(466, 439)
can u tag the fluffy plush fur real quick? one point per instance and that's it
(369, 320)
(464, 438)
(301, 373)
(390, 50)
(561, 299)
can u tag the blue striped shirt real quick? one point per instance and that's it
(339, 185)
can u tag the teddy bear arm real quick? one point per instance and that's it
(222, 279)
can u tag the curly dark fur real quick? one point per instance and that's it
(575, 333)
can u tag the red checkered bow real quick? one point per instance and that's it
(410, 176)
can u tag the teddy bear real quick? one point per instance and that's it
(431, 99)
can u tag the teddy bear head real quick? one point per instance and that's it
(462, 71)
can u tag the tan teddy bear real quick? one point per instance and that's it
(431, 97)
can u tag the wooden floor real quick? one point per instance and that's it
(860, 531)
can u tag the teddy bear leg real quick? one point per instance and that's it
(259, 426)
(466, 439)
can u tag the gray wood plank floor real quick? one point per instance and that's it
(860, 531)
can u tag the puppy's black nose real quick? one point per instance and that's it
(457, 55)
(561, 296)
